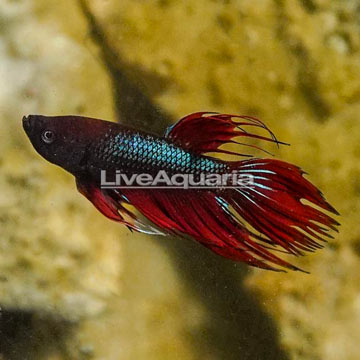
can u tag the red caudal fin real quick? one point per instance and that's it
(285, 208)
(205, 132)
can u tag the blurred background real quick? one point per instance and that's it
(74, 285)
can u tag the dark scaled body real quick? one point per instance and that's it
(130, 151)
(248, 224)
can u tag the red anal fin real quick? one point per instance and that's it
(248, 223)
(199, 214)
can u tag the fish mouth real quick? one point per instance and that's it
(28, 122)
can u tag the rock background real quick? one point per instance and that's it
(74, 285)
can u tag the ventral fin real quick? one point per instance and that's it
(111, 204)
(101, 201)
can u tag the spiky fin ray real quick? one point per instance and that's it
(205, 132)
(207, 222)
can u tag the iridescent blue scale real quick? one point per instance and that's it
(133, 150)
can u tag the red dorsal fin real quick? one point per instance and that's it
(204, 132)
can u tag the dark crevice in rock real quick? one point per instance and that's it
(307, 80)
(309, 5)
(309, 84)
(132, 105)
(26, 335)
(238, 327)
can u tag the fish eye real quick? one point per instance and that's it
(48, 136)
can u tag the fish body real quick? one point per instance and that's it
(248, 224)
(113, 146)
(129, 151)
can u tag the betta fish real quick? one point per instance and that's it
(280, 211)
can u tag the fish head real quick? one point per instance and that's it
(62, 140)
